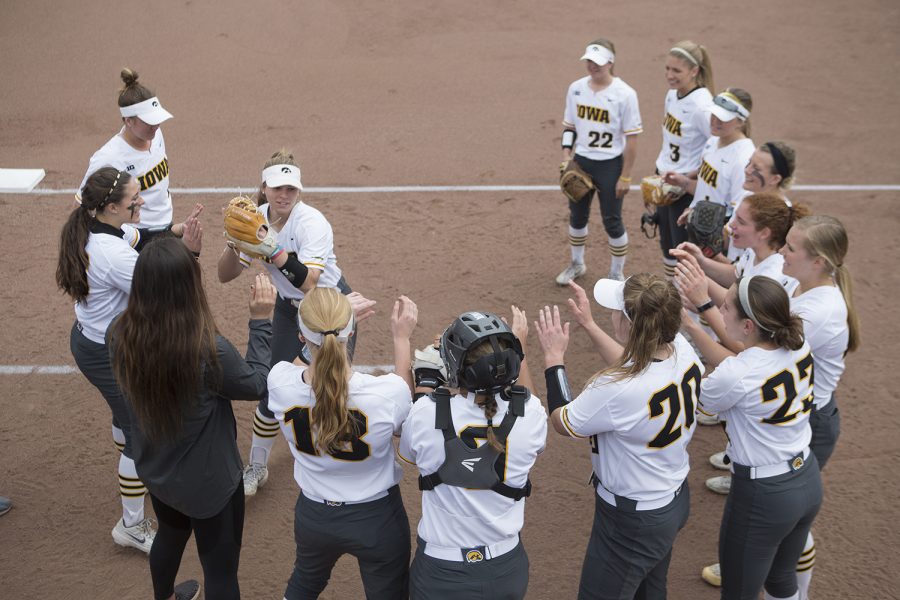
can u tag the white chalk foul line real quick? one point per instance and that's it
(69, 370)
(399, 189)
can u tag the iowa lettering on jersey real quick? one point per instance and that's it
(708, 174)
(154, 175)
(593, 113)
(672, 125)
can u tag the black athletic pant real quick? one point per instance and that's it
(826, 429)
(670, 233)
(218, 544)
(604, 174)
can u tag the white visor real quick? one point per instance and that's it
(317, 337)
(726, 108)
(598, 54)
(610, 293)
(279, 175)
(149, 111)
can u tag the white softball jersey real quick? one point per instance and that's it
(111, 260)
(149, 167)
(685, 131)
(602, 119)
(367, 466)
(771, 266)
(720, 178)
(824, 314)
(764, 397)
(640, 427)
(455, 517)
(308, 234)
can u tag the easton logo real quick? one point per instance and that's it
(469, 463)
(285, 170)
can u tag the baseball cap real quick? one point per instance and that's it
(598, 54)
(149, 111)
(610, 293)
(279, 175)
(726, 107)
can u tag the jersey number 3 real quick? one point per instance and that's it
(677, 397)
(355, 449)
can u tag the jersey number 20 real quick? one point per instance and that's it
(677, 397)
(356, 449)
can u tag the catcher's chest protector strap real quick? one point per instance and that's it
(474, 468)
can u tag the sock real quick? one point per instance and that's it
(118, 438)
(618, 249)
(264, 432)
(669, 268)
(577, 240)
(805, 567)
(132, 491)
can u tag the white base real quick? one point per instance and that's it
(19, 181)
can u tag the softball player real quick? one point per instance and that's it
(639, 417)
(720, 178)
(140, 150)
(340, 427)
(474, 470)
(183, 435)
(770, 169)
(765, 396)
(309, 261)
(97, 252)
(685, 131)
(814, 254)
(600, 125)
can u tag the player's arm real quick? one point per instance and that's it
(624, 182)
(610, 350)
(568, 141)
(713, 352)
(229, 265)
(403, 321)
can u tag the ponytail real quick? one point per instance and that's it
(489, 404)
(767, 305)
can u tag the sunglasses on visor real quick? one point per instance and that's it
(731, 106)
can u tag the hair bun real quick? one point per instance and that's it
(128, 76)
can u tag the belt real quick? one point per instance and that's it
(795, 463)
(475, 554)
(629, 504)
(79, 326)
(315, 498)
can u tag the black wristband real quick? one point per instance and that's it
(294, 270)
(558, 394)
(430, 378)
(705, 307)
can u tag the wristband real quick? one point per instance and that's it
(705, 307)
(558, 393)
(568, 138)
(276, 254)
(625, 179)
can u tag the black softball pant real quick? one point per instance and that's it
(92, 360)
(376, 533)
(670, 233)
(286, 345)
(764, 529)
(629, 551)
(502, 578)
(826, 428)
(218, 544)
(604, 174)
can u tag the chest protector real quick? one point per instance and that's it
(474, 468)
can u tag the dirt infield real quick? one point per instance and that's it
(421, 93)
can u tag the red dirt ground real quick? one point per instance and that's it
(417, 93)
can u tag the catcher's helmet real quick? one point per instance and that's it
(490, 373)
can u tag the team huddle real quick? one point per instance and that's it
(747, 329)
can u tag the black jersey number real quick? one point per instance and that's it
(674, 153)
(782, 386)
(679, 398)
(596, 136)
(356, 449)
(470, 436)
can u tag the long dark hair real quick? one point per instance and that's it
(103, 187)
(771, 308)
(165, 340)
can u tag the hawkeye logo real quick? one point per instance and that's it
(285, 170)
(593, 113)
(672, 125)
(708, 174)
(155, 103)
(474, 556)
(469, 463)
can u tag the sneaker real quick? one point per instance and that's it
(255, 476)
(187, 590)
(138, 536)
(718, 461)
(719, 485)
(616, 276)
(712, 575)
(573, 271)
(704, 419)
(5, 505)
